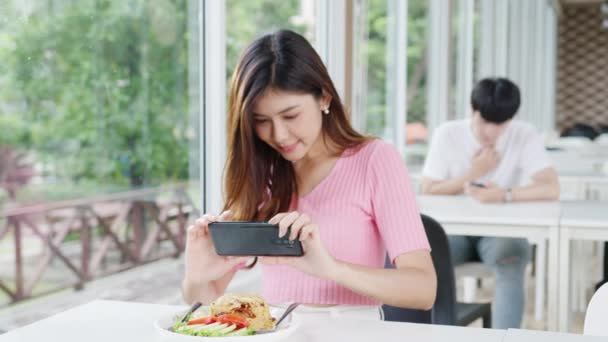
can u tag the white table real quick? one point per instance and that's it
(111, 321)
(538, 221)
(519, 335)
(584, 181)
(581, 220)
(582, 168)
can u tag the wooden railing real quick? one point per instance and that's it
(133, 227)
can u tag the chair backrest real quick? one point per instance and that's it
(580, 130)
(597, 311)
(444, 310)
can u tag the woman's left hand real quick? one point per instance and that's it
(316, 260)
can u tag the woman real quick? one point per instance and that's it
(294, 160)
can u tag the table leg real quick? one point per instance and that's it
(564, 280)
(541, 272)
(553, 288)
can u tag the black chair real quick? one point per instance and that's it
(580, 130)
(446, 310)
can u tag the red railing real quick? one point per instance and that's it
(136, 226)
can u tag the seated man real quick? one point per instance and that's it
(493, 159)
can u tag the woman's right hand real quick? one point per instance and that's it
(203, 265)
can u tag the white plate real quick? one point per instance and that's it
(162, 325)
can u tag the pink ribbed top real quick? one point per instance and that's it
(364, 208)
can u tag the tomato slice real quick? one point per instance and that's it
(203, 320)
(239, 321)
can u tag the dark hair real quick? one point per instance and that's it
(496, 99)
(259, 182)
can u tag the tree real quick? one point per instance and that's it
(102, 87)
(376, 57)
(248, 20)
(98, 89)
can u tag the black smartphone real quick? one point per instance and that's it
(237, 238)
(477, 184)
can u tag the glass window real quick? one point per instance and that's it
(417, 63)
(242, 27)
(375, 49)
(96, 109)
(416, 131)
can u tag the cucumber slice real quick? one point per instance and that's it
(210, 330)
(242, 332)
(203, 326)
(223, 332)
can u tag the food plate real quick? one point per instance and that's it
(163, 324)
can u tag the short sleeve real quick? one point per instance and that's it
(435, 166)
(534, 157)
(394, 206)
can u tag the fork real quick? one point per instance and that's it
(288, 311)
(193, 308)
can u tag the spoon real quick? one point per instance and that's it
(288, 311)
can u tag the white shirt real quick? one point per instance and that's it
(521, 149)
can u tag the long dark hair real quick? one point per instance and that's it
(259, 182)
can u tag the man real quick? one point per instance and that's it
(492, 158)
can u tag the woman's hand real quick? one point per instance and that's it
(316, 260)
(203, 265)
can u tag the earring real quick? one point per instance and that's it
(326, 111)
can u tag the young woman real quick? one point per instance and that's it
(294, 160)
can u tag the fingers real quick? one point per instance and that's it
(489, 154)
(473, 191)
(277, 218)
(491, 185)
(308, 232)
(300, 222)
(495, 157)
(287, 221)
(225, 216)
(205, 220)
(201, 225)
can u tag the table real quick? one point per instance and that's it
(519, 335)
(580, 220)
(463, 215)
(582, 168)
(584, 181)
(104, 321)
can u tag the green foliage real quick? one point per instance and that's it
(102, 88)
(377, 18)
(98, 89)
(248, 20)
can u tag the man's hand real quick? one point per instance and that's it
(491, 193)
(484, 161)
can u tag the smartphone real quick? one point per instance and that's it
(252, 239)
(477, 184)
